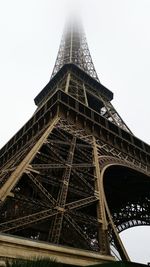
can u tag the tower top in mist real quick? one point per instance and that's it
(74, 49)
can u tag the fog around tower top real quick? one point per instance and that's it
(118, 37)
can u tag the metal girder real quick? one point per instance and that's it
(133, 214)
(101, 212)
(71, 128)
(81, 203)
(72, 187)
(62, 196)
(56, 166)
(54, 169)
(61, 173)
(42, 189)
(80, 216)
(109, 112)
(73, 170)
(79, 134)
(80, 232)
(30, 201)
(23, 222)
(116, 238)
(15, 176)
(113, 153)
(74, 49)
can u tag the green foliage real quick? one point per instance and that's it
(33, 263)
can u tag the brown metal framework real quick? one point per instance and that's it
(74, 174)
(74, 49)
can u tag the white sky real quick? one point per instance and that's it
(119, 40)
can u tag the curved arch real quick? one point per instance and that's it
(126, 195)
(107, 161)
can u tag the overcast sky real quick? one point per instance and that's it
(119, 40)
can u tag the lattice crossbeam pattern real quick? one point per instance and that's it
(74, 49)
(63, 190)
(74, 174)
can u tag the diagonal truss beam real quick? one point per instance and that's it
(81, 203)
(61, 201)
(41, 188)
(61, 166)
(80, 216)
(23, 222)
(110, 113)
(78, 229)
(117, 240)
(15, 176)
(73, 170)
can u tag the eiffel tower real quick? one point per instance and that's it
(74, 176)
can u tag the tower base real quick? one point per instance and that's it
(20, 248)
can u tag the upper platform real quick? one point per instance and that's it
(74, 56)
(106, 93)
(74, 59)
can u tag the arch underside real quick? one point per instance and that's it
(58, 197)
(127, 194)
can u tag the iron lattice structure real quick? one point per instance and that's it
(74, 174)
(74, 49)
